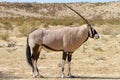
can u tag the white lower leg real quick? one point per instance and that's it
(62, 71)
(36, 69)
(35, 72)
(69, 69)
(32, 71)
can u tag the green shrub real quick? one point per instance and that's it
(4, 36)
(25, 30)
(46, 25)
(8, 26)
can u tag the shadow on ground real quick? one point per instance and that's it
(9, 76)
(88, 77)
(95, 77)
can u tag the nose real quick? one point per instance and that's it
(96, 36)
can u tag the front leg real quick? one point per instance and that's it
(69, 63)
(64, 56)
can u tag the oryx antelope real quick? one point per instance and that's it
(66, 39)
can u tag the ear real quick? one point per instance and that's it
(89, 26)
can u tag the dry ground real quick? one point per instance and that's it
(96, 59)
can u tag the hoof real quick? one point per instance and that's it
(71, 76)
(62, 76)
(38, 76)
(41, 76)
(34, 76)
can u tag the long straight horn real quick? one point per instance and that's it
(78, 14)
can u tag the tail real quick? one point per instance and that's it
(28, 54)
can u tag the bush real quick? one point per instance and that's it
(46, 25)
(8, 26)
(4, 36)
(25, 30)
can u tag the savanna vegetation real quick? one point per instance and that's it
(26, 17)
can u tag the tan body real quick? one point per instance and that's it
(66, 39)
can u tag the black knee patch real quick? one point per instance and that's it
(69, 57)
(64, 56)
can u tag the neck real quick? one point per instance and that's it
(83, 35)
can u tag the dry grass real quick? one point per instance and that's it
(26, 25)
(29, 16)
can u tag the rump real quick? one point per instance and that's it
(36, 37)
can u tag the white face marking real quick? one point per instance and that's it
(96, 36)
(90, 32)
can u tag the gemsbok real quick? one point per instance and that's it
(66, 39)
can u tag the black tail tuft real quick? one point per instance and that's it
(28, 54)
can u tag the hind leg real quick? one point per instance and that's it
(35, 56)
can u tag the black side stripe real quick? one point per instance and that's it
(54, 49)
(50, 48)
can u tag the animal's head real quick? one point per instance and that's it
(92, 32)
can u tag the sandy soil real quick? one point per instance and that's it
(96, 59)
